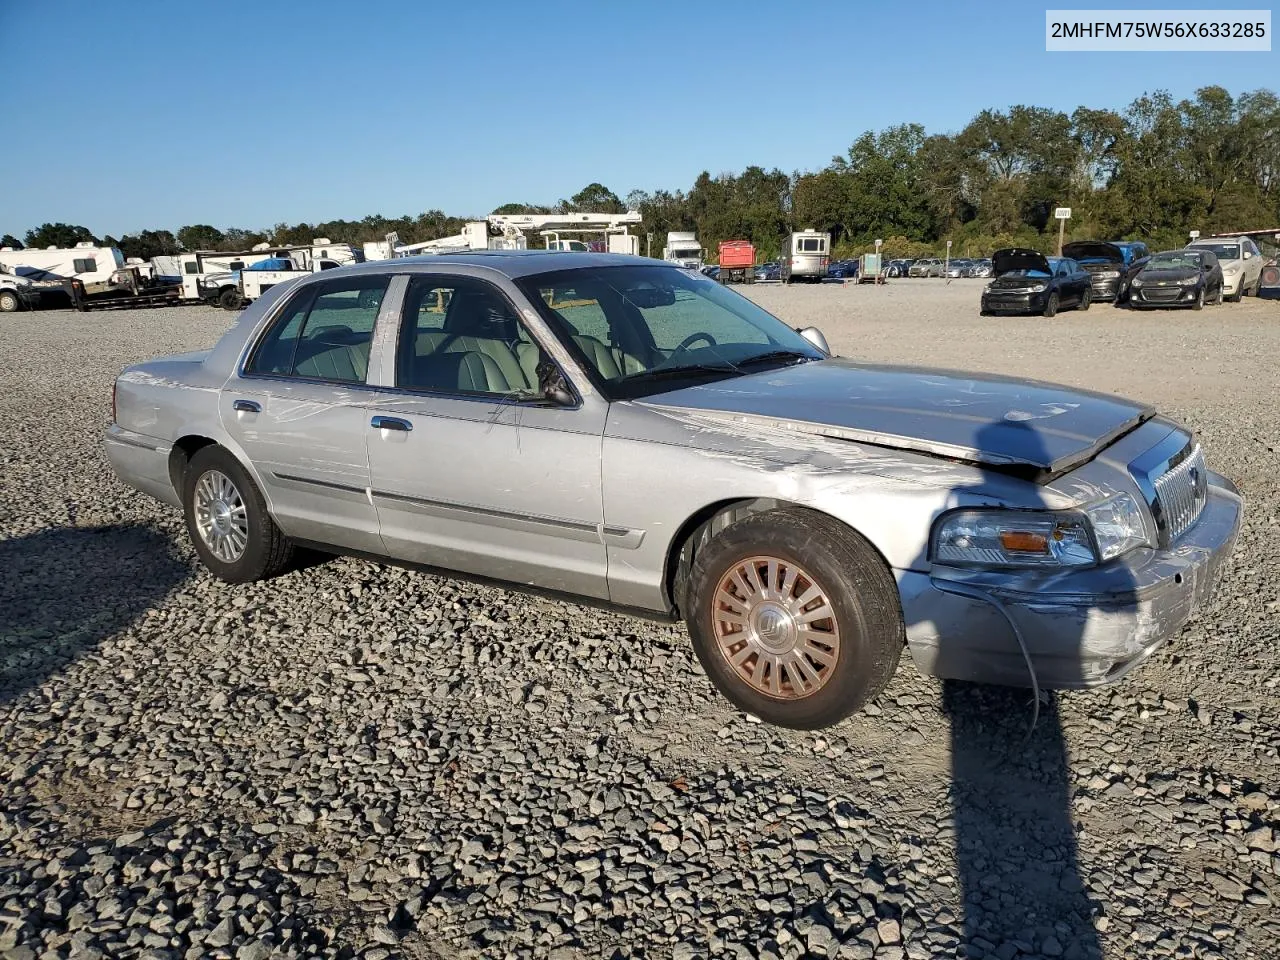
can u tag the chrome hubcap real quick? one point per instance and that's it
(221, 518)
(775, 627)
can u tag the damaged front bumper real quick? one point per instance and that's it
(1082, 628)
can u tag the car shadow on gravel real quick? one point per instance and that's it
(1021, 884)
(64, 590)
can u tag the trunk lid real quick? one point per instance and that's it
(1037, 429)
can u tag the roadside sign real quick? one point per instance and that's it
(1062, 213)
(1195, 234)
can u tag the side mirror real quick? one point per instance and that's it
(552, 385)
(815, 338)
(1247, 255)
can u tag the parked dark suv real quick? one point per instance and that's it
(1111, 265)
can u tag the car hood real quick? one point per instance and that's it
(1093, 250)
(1018, 258)
(1028, 427)
(1155, 275)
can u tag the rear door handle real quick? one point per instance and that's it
(247, 406)
(391, 423)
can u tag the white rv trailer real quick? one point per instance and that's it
(22, 293)
(92, 265)
(805, 255)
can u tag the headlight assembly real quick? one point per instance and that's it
(1038, 288)
(1189, 281)
(1013, 538)
(1119, 525)
(1040, 538)
(1137, 281)
(1107, 274)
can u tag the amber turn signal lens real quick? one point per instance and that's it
(1024, 542)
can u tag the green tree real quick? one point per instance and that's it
(517, 208)
(149, 243)
(200, 236)
(62, 235)
(237, 238)
(593, 198)
(9, 240)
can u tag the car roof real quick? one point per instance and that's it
(509, 263)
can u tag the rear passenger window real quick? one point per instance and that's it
(324, 333)
(461, 336)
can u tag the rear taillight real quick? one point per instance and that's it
(115, 417)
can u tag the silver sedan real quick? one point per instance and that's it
(635, 434)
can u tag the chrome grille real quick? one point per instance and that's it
(1180, 494)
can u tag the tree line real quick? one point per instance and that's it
(1151, 172)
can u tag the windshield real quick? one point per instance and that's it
(643, 330)
(1223, 251)
(1175, 258)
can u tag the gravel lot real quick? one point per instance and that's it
(355, 760)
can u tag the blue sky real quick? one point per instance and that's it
(158, 115)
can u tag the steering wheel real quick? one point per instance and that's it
(691, 339)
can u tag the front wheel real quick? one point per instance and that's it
(228, 521)
(1086, 298)
(9, 302)
(1051, 306)
(229, 299)
(794, 617)
(1199, 304)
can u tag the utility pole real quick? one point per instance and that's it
(1062, 215)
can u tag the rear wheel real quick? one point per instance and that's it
(9, 302)
(1051, 305)
(228, 521)
(794, 617)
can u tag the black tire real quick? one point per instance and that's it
(855, 583)
(1237, 296)
(267, 552)
(1086, 299)
(1221, 291)
(229, 299)
(1199, 302)
(9, 302)
(1051, 305)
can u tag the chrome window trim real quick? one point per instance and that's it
(520, 318)
(306, 288)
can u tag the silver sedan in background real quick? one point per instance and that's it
(635, 434)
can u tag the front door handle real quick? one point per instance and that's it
(391, 423)
(247, 406)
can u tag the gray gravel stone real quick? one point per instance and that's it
(327, 764)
